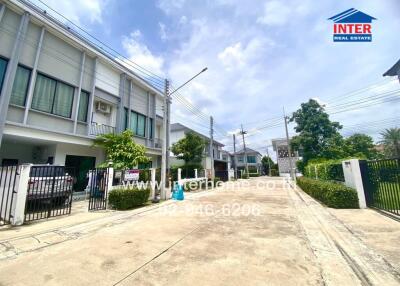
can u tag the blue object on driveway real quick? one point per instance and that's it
(179, 195)
(177, 192)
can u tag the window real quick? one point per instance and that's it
(83, 106)
(141, 125)
(20, 86)
(3, 68)
(151, 128)
(143, 166)
(240, 159)
(251, 159)
(52, 96)
(138, 124)
(126, 118)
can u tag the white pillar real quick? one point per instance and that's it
(195, 173)
(110, 172)
(353, 179)
(18, 207)
(153, 182)
(179, 174)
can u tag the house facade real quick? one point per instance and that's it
(253, 160)
(58, 92)
(221, 160)
(280, 146)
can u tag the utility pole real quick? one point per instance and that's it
(292, 174)
(164, 143)
(211, 146)
(244, 149)
(234, 155)
(269, 162)
(168, 133)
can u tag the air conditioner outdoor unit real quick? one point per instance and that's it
(103, 107)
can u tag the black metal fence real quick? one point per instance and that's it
(8, 185)
(381, 181)
(98, 187)
(49, 193)
(222, 175)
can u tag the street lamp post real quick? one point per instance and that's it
(166, 130)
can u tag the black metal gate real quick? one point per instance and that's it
(49, 192)
(98, 188)
(8, 185)
(381, 181)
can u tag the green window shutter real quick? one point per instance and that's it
(20, 86)
(134, 122)
(3, 68)
(43, 95)
(126, 118)
(83, 106)
(151, 128)
(63, 100)
(141, 130)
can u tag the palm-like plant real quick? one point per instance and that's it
(391, 141)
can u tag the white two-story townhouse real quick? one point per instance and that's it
(58, 91)
(220, 163)
(253, 160)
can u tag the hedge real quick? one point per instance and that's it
(329, 171)
(124, 199)
(332, 194)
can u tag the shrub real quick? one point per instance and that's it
(332, 194)
(330, 171)
(124, 199)
(274, 173)
(254, 174)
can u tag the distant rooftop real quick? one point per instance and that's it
(179, 127)
(394, 70)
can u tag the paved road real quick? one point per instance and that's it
(261, 234)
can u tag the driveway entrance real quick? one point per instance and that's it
(259, 234)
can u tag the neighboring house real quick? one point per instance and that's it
(221, 160)
(253, 160)
(282, 154)
(65, 92)
(394, 70)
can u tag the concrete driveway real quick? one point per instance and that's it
(262, 234)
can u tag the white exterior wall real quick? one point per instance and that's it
(9, 27)
(107, 78)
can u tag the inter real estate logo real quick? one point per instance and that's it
(352, 26)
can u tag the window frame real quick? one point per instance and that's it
(87, 107)
(54, 95)
(5, 71)
(135, 128)
(27, 86)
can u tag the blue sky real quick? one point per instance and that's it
(261, 55)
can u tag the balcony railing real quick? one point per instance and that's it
(158, 143)
(100, 129)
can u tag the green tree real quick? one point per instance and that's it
(391, 141)
(121, 150)
(266, 163)
(317, 134)
(361, 146)
(190, 148)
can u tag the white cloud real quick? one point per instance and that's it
(163, 32)
(232, 56)
(140, 53)
(276, 13)
(77, 11)
(170, 6)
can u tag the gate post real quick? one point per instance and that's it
(195, 173)
(18, 207)
(153, 183)
(179, 174)
(110, 173)
(353, 179)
